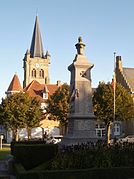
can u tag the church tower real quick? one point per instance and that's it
(35, 63)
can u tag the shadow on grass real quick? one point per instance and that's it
(4, 152)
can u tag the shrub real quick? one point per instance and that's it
(110, 173)
(98, 156)
(31, 155)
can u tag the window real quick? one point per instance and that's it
(46, 80)
(117, 129)
(100, 130)
(97, 126)
(1, 128)
(45, 95)
(41, 73)
(34, 73)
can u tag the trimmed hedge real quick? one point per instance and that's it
(99, 156)
(109, 173)
(32, 155)
(73, 157)
(28, 142)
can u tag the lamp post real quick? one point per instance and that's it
(1, 138)
(114, 85)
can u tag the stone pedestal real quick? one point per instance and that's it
(80, 130)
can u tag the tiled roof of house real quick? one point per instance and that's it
(52, 88)
(129, 75)
(15, 85)
(35, 89)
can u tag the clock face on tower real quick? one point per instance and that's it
(37, 65)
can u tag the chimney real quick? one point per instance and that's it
(58, 83)
(119, 63)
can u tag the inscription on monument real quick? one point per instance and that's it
(82, 125)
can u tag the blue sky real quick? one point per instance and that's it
(105, 26)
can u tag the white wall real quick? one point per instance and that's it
(36, 133)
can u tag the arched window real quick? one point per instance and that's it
(41, 73)
(34, 73)
(46, 80)
(117, 129)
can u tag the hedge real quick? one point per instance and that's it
(109, 173)
(101, 156)
(28, 142)
(32, 155)
(73, 157)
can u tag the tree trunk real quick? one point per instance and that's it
(29, 133)
(15, 134)
(109, 125)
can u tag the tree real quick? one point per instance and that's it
(20, 111)
(34, 115)
(103, 102)
(58, 104)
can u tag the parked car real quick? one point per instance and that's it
(129, 138)
(54, 139)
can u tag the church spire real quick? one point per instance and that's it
(36, 49)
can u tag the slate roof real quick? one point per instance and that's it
(36, 49)
(15, 85)
(129, 75)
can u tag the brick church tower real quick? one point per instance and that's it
(35, 63)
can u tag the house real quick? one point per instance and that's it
(125, 76)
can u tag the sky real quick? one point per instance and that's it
(106, 26)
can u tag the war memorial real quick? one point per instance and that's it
(81, 126)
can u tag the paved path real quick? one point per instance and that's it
(4, 174)
(4, 171)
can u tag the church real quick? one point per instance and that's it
(36, 83)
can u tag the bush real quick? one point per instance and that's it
(74, 157)
(28, 142)
(31, 155)
(110, 173)
(98, 156)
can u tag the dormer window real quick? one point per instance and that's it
(45, 95)
(34, 73)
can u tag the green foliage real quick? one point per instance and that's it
(4, 152)
(20, 110)
(103, 102)
(58, 104)
(74, 160)
(31, 155)
(103, 173)
(99, 156)
(85, 161)
(33, 113)
(18, 168)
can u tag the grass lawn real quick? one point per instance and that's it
(4, 152)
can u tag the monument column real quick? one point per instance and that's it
(81, 126)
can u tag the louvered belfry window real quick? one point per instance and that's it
(34, 73)
(42, 73)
